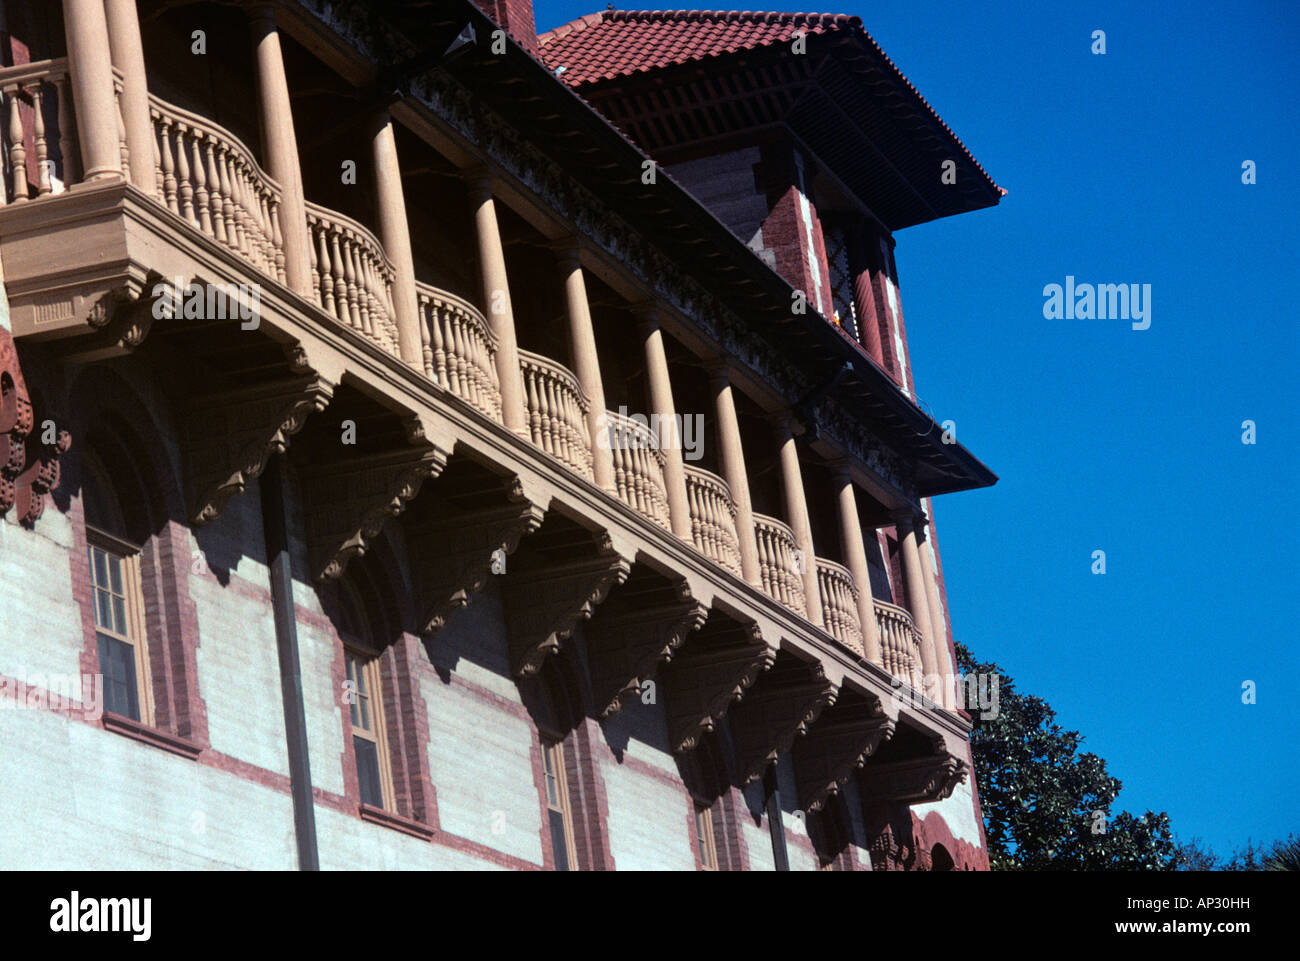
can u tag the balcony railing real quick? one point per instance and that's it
(638, 466)
(900, 644)
(777, 566)
(351, 276)
(207, 176)
(557, 411)
(459, 349)
(713, 517)
(34, 95)
(839, 597)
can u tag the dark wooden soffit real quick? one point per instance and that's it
(841, 98)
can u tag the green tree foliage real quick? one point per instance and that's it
(1283, 855)
(1046, 803)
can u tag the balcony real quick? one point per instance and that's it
(839, 597)
(638, 467)
(713, 518)
(210, 181)
(780, 572)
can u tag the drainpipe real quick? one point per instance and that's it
(774, 824)
(275, 525)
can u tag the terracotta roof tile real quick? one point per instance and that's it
(614, 43)
(618, 42)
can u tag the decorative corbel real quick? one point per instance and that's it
(544, 604)
(913, 782)
(780, 707)
(228, 437)
(348, 503)
(713, 670)
(845, 735)
(627, 643)
(29, 458)
(455, 551)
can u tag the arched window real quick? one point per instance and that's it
(940, 859)
(704, 770)
(117, 597)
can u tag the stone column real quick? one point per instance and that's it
(128, 57)
(91, 70)
(942, 654)
(661, 402)
(733, 469)
(862, 260)
(796, 510)
(496, 302)
(395, 235)
(280, 147)
(855, 556)
(586, 360)
(917, 600)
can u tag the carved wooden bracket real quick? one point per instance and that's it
(118, 321)
(839, 743)
(778, 709)
(452, 556)
(349, 501)
(628, 642)
(227, 438)
(544, 605)
(712, 670)
(29, 460)
(913, 782)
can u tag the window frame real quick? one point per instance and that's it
(136, 635)
(361, 664)
(705, 838)
(555, 771)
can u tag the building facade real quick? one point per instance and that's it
(432, 445)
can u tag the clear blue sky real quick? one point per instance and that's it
(1122, 168)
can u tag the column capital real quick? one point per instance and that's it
(647, 316)
(567, 250)
(260, 9)
(782, 421)
(911, 519)
(719, 370)
(841, 469)
(478, 181)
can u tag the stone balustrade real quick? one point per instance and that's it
(459, 349)
(778, 562)
(839, 596)
(713, 518)
(638, 466)
(557, 411)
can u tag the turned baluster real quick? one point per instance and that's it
(427, 336)
(326, 268)
(168, 164)
(277, 239)
(202, 198)
(341, 308)
(17, 151)
(216, 215)
(67, 132)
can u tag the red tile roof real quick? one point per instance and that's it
(614, 43)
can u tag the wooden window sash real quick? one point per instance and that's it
(708, 850)
(554, 772)
(133, 602)
(365, 668)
